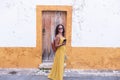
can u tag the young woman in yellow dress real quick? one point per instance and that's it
(58, 65)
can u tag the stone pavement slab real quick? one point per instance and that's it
(40, 77)
(69, 74)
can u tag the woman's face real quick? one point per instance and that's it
(60, 29)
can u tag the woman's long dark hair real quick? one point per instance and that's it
(56, 30)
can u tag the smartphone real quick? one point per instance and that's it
(64, 41)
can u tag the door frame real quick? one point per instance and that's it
(68, 10)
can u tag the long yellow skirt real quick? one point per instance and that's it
(58, 65)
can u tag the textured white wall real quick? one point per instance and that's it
(95, 23)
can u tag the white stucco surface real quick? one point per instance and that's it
(95, 23)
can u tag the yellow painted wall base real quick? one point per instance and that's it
(95, 58)
(80, 58)
(19, 57)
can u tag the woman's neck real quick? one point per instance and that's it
(60, 34)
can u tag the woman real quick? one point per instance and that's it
(58, 65)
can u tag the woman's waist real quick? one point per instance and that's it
(62, 47)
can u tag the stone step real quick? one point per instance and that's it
(47, 65)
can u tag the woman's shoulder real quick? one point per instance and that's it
(57, 37)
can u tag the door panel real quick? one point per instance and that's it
(50, 19)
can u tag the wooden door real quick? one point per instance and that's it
(50, 19)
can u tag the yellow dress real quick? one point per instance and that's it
(58, 65)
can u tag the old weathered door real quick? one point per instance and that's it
(50, 19)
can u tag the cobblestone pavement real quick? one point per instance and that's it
(36, 74)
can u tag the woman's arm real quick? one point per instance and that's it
(57, 41)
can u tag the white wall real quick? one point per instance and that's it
(95, 23)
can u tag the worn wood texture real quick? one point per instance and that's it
(50, 19)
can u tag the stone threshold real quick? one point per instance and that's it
(47, 65)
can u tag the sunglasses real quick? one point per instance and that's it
(60, 28)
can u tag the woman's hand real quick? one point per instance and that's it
(64, 43)
(61, 44)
